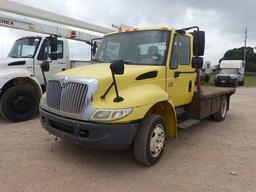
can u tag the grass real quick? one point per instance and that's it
(250, 80)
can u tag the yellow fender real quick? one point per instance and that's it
(146, 103)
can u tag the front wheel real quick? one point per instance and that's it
(149, 142)
(19, 103)
(241, 83)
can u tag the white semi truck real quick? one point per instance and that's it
(21, 78)
(231, 73)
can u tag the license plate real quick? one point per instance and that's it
(222, 81)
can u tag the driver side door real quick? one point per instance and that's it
(180, 74)
(55, 65)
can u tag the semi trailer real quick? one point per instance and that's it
(139, 89)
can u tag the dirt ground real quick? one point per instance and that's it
(208, 157)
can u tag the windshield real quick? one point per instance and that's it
(137, 47)
(24, 48)
(228, 71)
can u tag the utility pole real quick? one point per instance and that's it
(245, 43)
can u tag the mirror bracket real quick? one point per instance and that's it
(45, 66)
(117, 68)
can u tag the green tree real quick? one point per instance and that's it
(238, 54)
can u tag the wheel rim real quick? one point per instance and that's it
(21, 104)
(223, 108)
(157, 140)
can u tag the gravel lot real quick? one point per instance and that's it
(208, 157)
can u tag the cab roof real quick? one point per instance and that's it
(140, 29)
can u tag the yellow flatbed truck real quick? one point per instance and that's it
(139, 89)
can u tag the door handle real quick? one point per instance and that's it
(176, 74)
(190, 86)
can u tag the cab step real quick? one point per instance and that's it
(188, 123)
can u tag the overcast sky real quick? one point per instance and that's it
(223, 21)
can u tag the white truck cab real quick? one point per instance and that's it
(31, 61)
(231, 73)
(29, 52)
(21, 77)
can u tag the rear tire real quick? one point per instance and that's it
(221, 114)
(150, 140)
(19, 103)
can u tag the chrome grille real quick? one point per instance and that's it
(53, 94)
(69, 98)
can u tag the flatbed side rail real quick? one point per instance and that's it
(208, 102)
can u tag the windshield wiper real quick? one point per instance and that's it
(97, 60)
(128, 62)
(125, 61)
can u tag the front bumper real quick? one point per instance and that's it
(89, 134)
(226, 82)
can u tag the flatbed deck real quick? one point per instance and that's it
(208, 102)
(210, 92)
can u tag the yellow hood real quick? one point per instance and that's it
(125, 82)
(102, 73)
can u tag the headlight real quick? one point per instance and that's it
(43, 100)
(110, 114)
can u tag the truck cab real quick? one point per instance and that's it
(21, 79)
(29, 52)
(139, 89)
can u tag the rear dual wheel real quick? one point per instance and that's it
(149, 142)
(221, 114)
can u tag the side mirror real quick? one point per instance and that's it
(45, 66)
(117, 67)
(199, 43)
(53, 56)
(197, 62)
(94, 48)
(53, 43)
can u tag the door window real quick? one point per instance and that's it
(43, 54)
(46, 50)
(175, 53)
(60, 50)
(180, 51)
(185, 50)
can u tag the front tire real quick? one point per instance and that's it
(149, 142)
(19, 103)
(241, 83)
